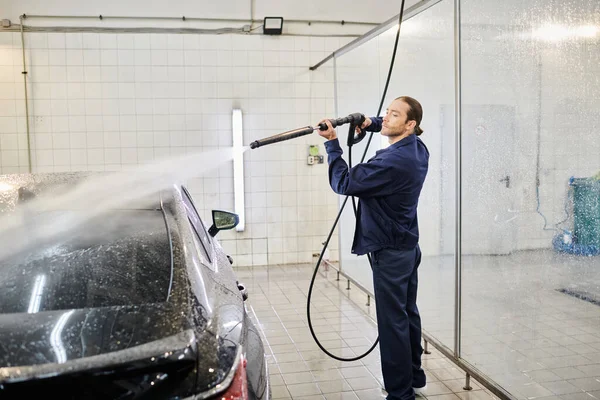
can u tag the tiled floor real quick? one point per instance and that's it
(344, 325)
(517, 326)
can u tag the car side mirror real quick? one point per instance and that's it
(223, 220)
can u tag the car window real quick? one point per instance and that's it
(197, 223)
(195, 210)
(125, 259)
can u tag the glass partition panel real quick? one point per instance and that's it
(531, 190)
(423, 69)
(357, 90)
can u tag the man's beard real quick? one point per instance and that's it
(393, 134)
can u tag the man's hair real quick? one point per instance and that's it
(415, 112)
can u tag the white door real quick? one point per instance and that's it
(488, 158)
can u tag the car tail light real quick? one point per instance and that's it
(238, 390)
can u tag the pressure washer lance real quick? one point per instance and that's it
(355, 119)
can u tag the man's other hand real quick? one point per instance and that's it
(365, 124)
(328, 134)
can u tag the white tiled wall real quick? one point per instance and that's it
(109, 101)
(13, 141)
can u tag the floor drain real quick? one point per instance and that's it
(585, 296)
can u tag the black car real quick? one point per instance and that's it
(138, 302)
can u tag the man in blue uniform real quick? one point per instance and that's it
(388, 187)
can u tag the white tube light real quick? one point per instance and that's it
(238, 167)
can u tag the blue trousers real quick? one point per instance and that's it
(399, 324)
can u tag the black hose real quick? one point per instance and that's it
(312, 282)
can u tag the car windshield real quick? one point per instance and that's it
(122, 258)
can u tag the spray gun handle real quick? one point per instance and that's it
(353, 137)
(356, 118)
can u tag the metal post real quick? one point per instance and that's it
(335, 104)
(24, 72)
(103, 17)
(467, 382)
(458, 135)
(348, 288)
(368, 301)
(338, 276)
(426, 347)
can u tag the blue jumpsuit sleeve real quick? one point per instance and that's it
(372, 179)
(375, 124)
